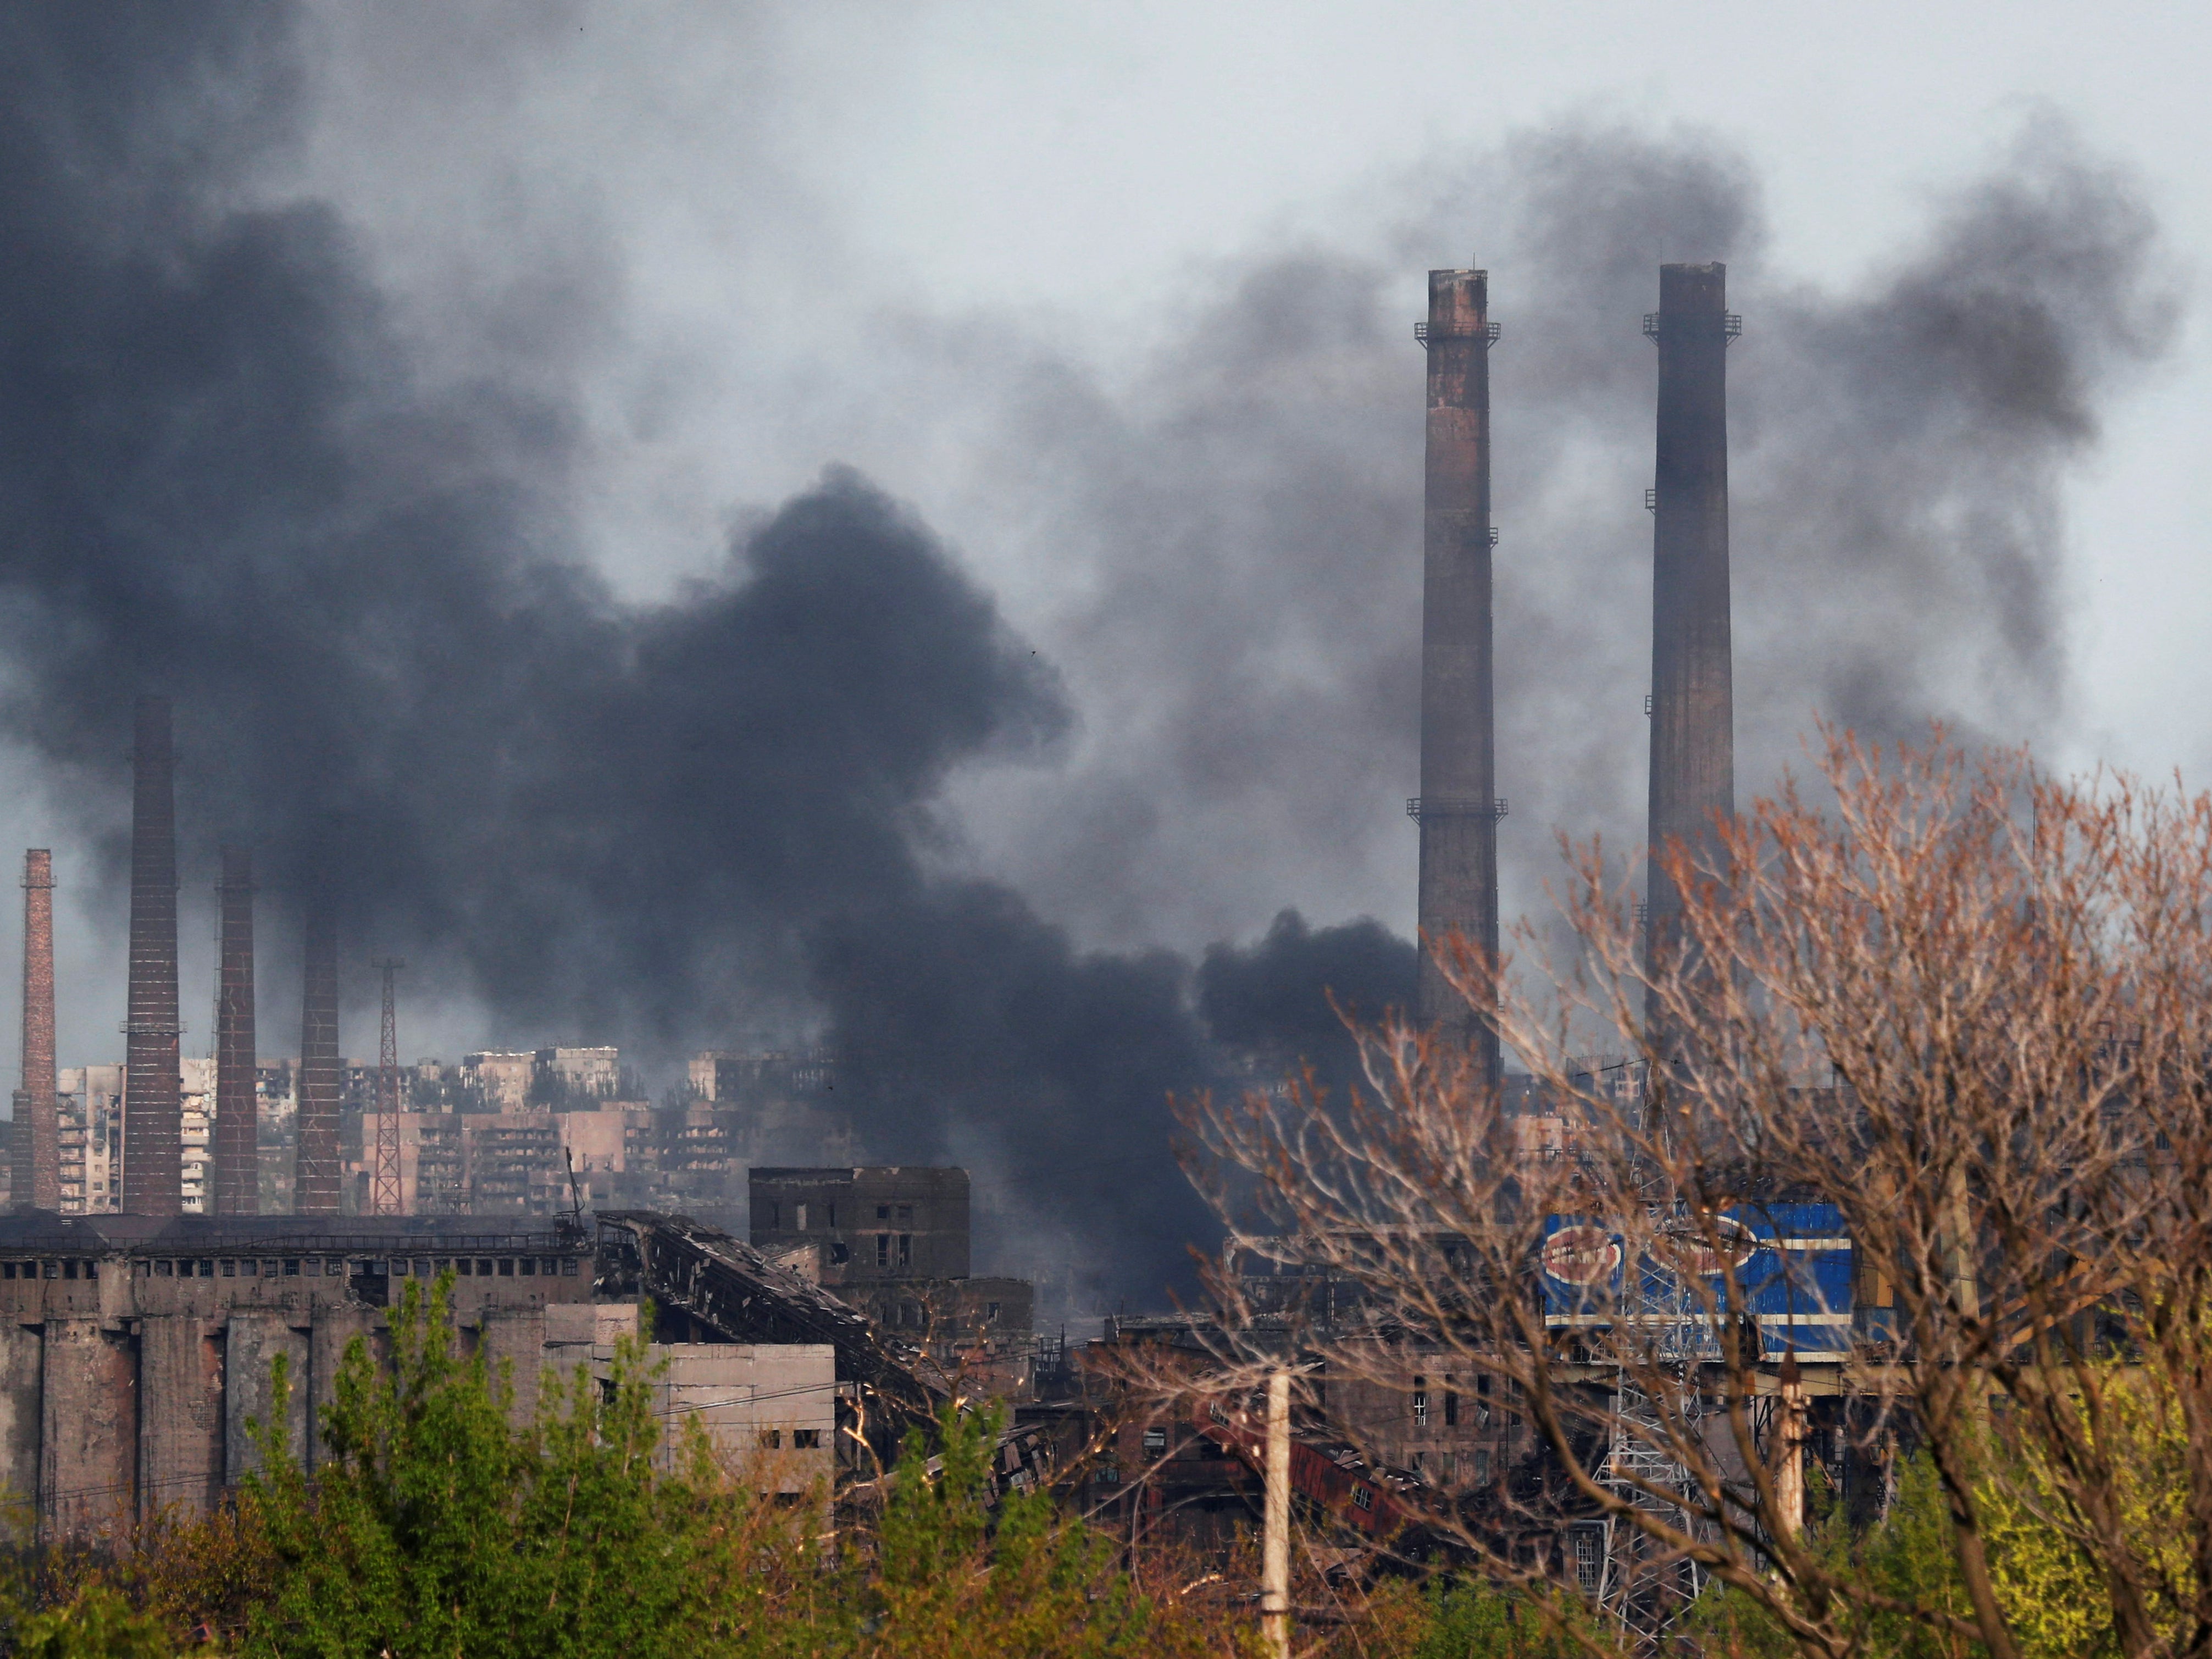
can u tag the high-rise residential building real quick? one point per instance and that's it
(89, 1134)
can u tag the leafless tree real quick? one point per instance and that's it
(1965, 1005)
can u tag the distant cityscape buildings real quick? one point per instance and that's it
(504, 1131)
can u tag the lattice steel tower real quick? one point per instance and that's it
(384, 1185)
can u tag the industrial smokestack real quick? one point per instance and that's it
(237, 1121)
(36, 1173)
(1692, 706)
(315, 1169)
(1457, 808)
(153, 1114)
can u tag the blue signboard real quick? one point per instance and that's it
(1792, 1273)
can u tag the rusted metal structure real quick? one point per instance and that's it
(711, 1288)
(36, 1169)
(1457, 808)
(1693, 707)
(153, 1110)
(237, 1108)
(384, 1186)
(315, 1166)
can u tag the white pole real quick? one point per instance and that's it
(1275, 1538)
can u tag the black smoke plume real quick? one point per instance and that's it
(1291, 996)
(386, 656)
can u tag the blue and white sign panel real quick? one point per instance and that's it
(1792, 1273)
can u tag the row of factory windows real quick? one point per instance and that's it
(505, 1267)
(827, 1214)
(915, 1315)
(839, 1254)
(49, 1269)
(312, 1267)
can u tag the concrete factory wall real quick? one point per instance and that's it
(770, 1411)
(135, 1351)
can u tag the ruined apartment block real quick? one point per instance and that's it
(504, 1131)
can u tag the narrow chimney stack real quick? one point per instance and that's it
(1457, 809)
(1692, 706)
(37, 1182)
(237, 1122)
(153, 1111)
(315, 1171)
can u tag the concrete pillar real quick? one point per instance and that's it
(517, 1336)
(88, 1429)
(181, 1461)
(249, 1358)
(21, 1359)
(334, 1331)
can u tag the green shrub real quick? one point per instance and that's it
(435, 1527)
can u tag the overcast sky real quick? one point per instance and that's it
(998, 258)
(773, 189)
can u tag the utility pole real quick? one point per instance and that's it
(1791, 1436)
(1275, 1537)
(384, 1185)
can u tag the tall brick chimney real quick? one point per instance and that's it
(237, 1127)
(36, 1173)
(1692, 706)
(152, 1112)
(1457, 808)
(315, 1169)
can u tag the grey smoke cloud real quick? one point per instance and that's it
(1247, 509)
(835, 782)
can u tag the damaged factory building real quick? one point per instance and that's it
(894, 1243)
(137, 1350)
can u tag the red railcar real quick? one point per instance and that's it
(1332, 1478)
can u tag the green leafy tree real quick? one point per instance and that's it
(958, 1573)
(1454, 1618)
(1901, 1567)
(2040, 1541)
(2046, 1584)
(98, 1622)
(434, 1527)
